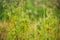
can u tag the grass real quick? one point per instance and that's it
(28, 20)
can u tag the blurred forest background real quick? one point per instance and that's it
(29, 19)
